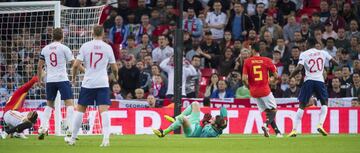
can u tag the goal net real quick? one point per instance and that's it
(25, 28)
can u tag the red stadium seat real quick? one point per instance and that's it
(206, 72)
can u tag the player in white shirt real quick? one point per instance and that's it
(313, 61)
(95, 55)
(216, 21)
(55, 56)
(18, 122)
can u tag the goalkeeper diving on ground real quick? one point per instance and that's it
(189, 119)
(15, 120)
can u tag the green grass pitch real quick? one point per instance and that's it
(179, 144)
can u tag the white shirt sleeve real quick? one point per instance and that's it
(223, 20)
(327, 55)
(301, 59)
(81, 54)
(190, 70)
(207, 20)
(154, 56)
(111, 55)
(68, 54)
(164, 65)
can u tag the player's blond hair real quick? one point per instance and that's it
(57, 34)
(98, 31)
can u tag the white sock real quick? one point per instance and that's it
(69, 117)
(323, 113)
(77, 124)
(299, 115)
(47, 115)
(105, 124)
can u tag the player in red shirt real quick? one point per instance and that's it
(256, 77)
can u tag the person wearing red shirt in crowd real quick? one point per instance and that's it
(335, 20)
(274, 11)
(256, 77)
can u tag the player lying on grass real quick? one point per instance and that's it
(189, 119)
(16, 121)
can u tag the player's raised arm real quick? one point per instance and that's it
(40, 68)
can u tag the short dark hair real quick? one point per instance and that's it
(330, 38)
(190, 8)
(196, 56)
(295, 47)
(131, 37)
(57, 34)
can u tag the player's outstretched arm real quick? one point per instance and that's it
(40, 69)
(297, 70)
(114, 71)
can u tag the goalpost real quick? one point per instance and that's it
(26, 27)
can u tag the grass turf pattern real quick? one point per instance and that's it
(180, 144)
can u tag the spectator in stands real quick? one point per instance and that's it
(216, 21)
(141, 55)
(144, 77)
(342, 42)
(298, 40)
(224, 3)
(330, 46)
(356, 66)
(119, 32)
(211, 48)
(290, 28)
(274, 11)
(355, 102)
(234, 80)
(275, 87)
(252, 40)
(227, 42)
(295, 55)
(316, 23)
(141, 9)
(163, 51)
(116, 92)
(12, 74)
(293, 90)
(152, 102)
(317, 39)
(354, 47)
(284, 81)
(258, 18)
(355, 87)
(168, 66)
(155, 17)
(145, 27)
(212, 85)
(139, 93)
(336, 91)
(195, 4)
(244, 54)
(345, 58)
(275, 30)
(264, 50)
(145, 42)
(123, 9)
(131, 46)
(192, 24)
(222, 91)
(156, 70)
(250, 7)
(239, 23)
(270, 44)
(129, 76)
(354, 30)
(324, 11)
(336, 21)
(348, 14)
(192, 82)
(225, 63)
(287, 7)
(329, 32)
(345, 80)
(276, 61)
(285, 52)
(158, 88)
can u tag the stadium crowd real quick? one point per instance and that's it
(218, 37)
